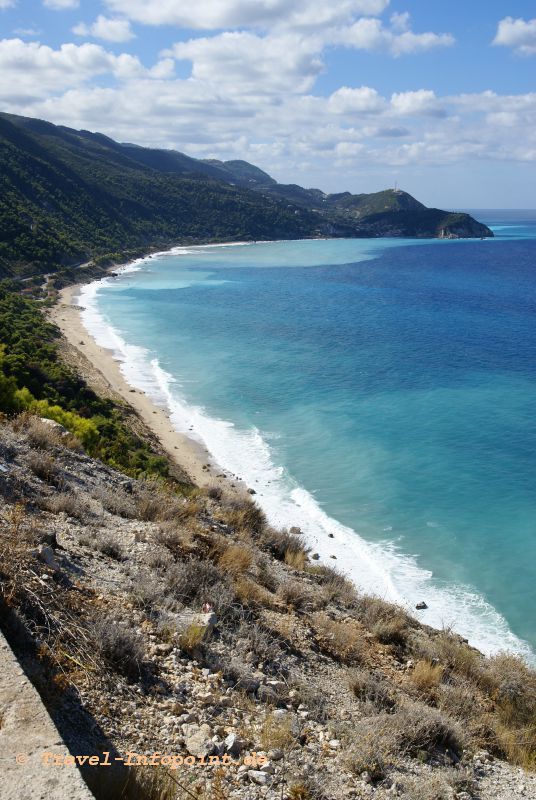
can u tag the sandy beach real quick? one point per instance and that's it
(102, 371)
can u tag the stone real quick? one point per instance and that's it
(275, 755)
(315, 556)
(198, 740)
(233, 744)
(366, 777)
(46, 554)
(267, 694)
(295, 530)
(421, 606)
(258, 777)
(334, 744)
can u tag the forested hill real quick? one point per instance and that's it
(68, 196)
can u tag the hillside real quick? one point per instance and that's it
(68, 197)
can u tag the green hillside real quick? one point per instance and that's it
(68, 197)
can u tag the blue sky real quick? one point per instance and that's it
(353, 94)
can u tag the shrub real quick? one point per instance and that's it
(276, 733)
(295, 594)
(252, 595)
(69, 503)
(245, 516)
(297, 559)
(235, 560)
(192, 638)
(282, 544)
(41, 434)
(515, 698)
(194, 582)
(391, 631)
(44, 467)
(335, 587)
(416, 727)
(341, 640)
(109, 546)
(427, 677)
(370, 749)
(116, 502)
(369, 688)
(120, 647)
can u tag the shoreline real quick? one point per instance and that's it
(188, 454)
(374, 569)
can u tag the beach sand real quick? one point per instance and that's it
(102, 372)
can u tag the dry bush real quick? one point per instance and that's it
(193, 582)
(391, 631)
(449, 650)
(457, 700)
(252, 595)
(283, 545)
(370, 748)
(70, 503)
(439, 786)
(297, 559)
(245, 516)
(116, 502)
(41, 434)
(44, 466)
(192, 638)
(276, 733)
(416, 726)
(148, 593)
(295, 595)
(120, 646)
(316, 703)
(236, 560)
(154, 504)
(343, 641)
(427, 677)
(109, 546)
(265, 574)
(371, 688)
(158, 559)
(177, 539)
(514, 692)
(259, 640)
(335, 587)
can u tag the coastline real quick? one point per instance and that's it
(188, 454)
(376, 569)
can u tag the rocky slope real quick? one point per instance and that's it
(157, 618)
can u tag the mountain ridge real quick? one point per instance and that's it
(68, 197)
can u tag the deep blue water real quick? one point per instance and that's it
(381, 390)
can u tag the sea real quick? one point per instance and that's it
(379, 394)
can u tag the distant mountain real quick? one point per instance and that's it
(69, 196)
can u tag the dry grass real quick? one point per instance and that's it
(70, 503)
(236, 560)
(426, 677)
(283, 545)
(251, 595)
(295, 595)
(244, 516)
(120, 647)
(192, 638)
(109, 546)
(276, 733)
(116, 502)
(43, 435)
(370, 688)
(336, 588)
(297, 559)
(343, 641)
(514, 692)
(44, 466)
(439, 787)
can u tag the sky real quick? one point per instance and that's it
(337, 94)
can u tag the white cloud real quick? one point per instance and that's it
(372, 35)
(7, 4)
(363, 100)
(110, 30)
(61, 5)
(420, 102)
(244, 62)
(27, 31)
(214, 14)
(32, 70)
(518, 34)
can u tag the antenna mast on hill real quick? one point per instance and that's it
(396, 186)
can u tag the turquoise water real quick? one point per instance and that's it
(383, 391)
